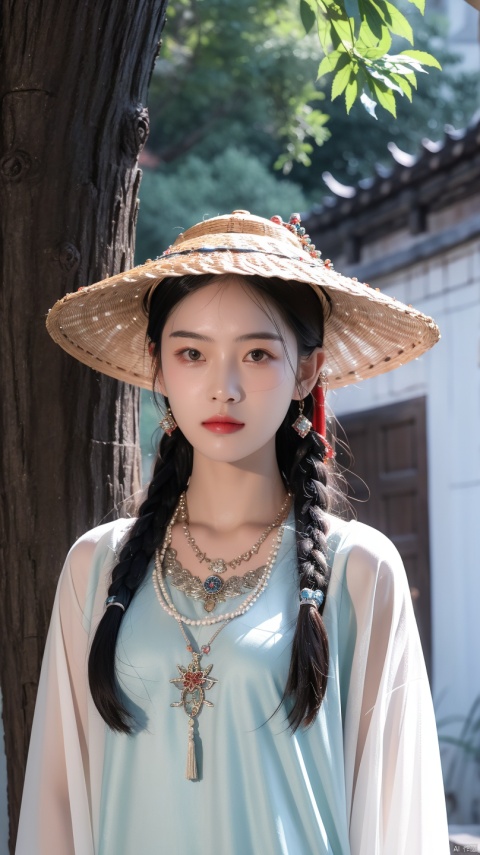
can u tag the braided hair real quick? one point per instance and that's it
(308, 481)
(301, 464)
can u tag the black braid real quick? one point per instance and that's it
(171, 473)
(301, 461)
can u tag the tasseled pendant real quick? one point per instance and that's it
(191, 771)
(319, 419)
(193, 682)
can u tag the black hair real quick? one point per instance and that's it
(301, 464)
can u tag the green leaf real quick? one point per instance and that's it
(351, 92)
(420, 4)
(369, 40)
(365, 35)
(340, 81)
(372, 21)
(344, 29)
(396, 22)
(361, 77)
(404, 85)
(283, 162)
(422, 56)
(308, 16)
(395, 65)
(374, 53)
(385, 79)
(330, 62)
(400, 24)
(384, 96)
(324, 33)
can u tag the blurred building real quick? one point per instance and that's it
(463, 29)
(414, 232)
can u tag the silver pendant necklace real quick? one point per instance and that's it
(194, 680)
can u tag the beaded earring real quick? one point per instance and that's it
(168, 423)
(301, 424)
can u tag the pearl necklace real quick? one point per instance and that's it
(167, 604)
(194, 680)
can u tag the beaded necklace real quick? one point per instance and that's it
(209, 591)
(194, 680)
(220, 565)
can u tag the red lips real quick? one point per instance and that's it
(223, 424)
(218, 419)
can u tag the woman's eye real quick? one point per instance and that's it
(191, 354)
(258, 355)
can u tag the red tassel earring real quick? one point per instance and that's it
(319, 416)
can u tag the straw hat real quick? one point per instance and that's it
(366, 332)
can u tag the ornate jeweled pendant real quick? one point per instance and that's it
(217, 566)
(212, 587)
(193, 682)
(213, 584)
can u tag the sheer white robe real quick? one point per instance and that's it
(386, 764)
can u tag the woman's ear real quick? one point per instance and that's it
(307, 374)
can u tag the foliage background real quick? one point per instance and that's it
(242, 96)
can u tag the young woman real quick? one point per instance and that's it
(236, 670)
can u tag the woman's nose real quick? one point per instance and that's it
(225, 384)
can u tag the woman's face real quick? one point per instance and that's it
(227, 373)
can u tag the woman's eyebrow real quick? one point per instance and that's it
(269, 336)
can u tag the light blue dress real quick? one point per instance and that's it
(250, 765)
(364, 779)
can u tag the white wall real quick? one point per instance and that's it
(448, 289)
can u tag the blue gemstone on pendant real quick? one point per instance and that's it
(213, 584)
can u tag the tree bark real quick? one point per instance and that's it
(74, 76)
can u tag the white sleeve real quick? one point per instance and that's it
(56, 816)
(393, 774)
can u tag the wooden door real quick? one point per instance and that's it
(387, 488)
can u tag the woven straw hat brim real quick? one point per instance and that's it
(366, 333)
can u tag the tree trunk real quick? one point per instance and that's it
(74, 76)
